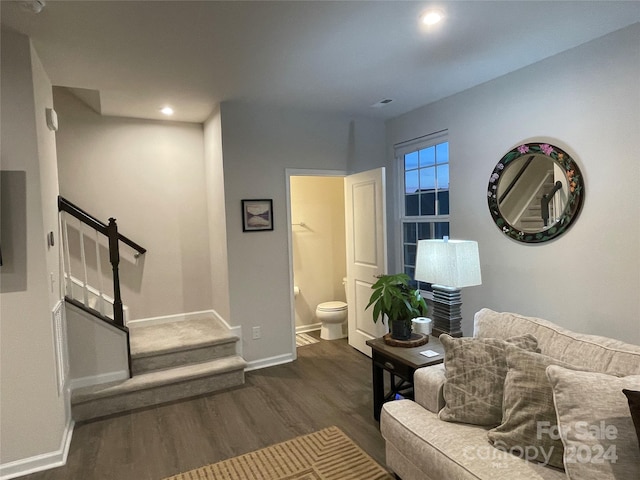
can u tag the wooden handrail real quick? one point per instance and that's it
(88, 219)
(544, 202)
(515, 179)
(111, 232)
(114, 238)
(95, 313)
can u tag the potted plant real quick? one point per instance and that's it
(394, 298)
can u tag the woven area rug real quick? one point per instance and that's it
(324, 455)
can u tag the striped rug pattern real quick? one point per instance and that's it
(303, 339)
(324, 455)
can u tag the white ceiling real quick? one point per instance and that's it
(341, 56)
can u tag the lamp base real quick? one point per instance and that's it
(447, 316)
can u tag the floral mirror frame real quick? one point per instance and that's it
(571, 187)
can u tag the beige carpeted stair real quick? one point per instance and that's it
(170, 361)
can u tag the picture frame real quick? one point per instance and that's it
(257, 215)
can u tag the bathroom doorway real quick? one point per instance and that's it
(317, 244)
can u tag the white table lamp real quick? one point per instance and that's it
(448, 265)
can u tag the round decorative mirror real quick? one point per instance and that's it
(535, 192)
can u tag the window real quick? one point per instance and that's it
(424, 167)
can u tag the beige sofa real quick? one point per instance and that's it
(420, 446)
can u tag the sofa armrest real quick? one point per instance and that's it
(428, 383)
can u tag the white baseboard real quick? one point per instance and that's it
(41, 462)
(118, 376)
(269, 362)
(308, 328)
(178, 317)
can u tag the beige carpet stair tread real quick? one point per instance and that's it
(159, 378)
(178, 336)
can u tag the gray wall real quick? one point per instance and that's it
(33, 415)
(587, 102)
(150, 176)
(259, 144)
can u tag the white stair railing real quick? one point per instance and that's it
(72, 218)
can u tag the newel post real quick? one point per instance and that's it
(114, 258)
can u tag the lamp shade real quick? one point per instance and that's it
(451, 263)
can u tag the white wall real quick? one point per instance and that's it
(35, 423)
(214, 175)
(587, 102)
(259, 144)
(319, 247)
(97, 351)
(150, 176)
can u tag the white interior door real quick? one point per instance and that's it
(366, 251)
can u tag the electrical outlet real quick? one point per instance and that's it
(257, 333)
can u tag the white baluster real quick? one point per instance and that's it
(83, 259)
(66, 258)
(101, 292)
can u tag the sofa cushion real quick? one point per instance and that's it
(595, 425)
(428, 383)
(633, 398)
(588, 352)
(528, 411)
(475, 370)
(444, 450)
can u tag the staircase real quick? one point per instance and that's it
(169, 361)
(531, 219)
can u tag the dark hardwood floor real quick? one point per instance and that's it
(329, 384)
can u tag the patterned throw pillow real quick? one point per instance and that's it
(595, 425)
(633, 398)
(475, 369)
(529, 427)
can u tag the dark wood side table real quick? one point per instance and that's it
(399, 362)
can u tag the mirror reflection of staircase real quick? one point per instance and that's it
(531, 219)
(170, 361)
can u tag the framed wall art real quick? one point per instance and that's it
(257, 215)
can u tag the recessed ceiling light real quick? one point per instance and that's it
(167, 111)
(431, 17)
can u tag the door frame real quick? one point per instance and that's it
(288, 173)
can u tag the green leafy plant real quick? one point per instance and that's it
(394, 298)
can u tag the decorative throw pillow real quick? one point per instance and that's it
(595, 426)
(475, 369)
(633, 398)
(528, 427)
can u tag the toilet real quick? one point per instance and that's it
(332, 315)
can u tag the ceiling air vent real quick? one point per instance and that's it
(382, 103)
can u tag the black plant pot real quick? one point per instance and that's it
(400, 330)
